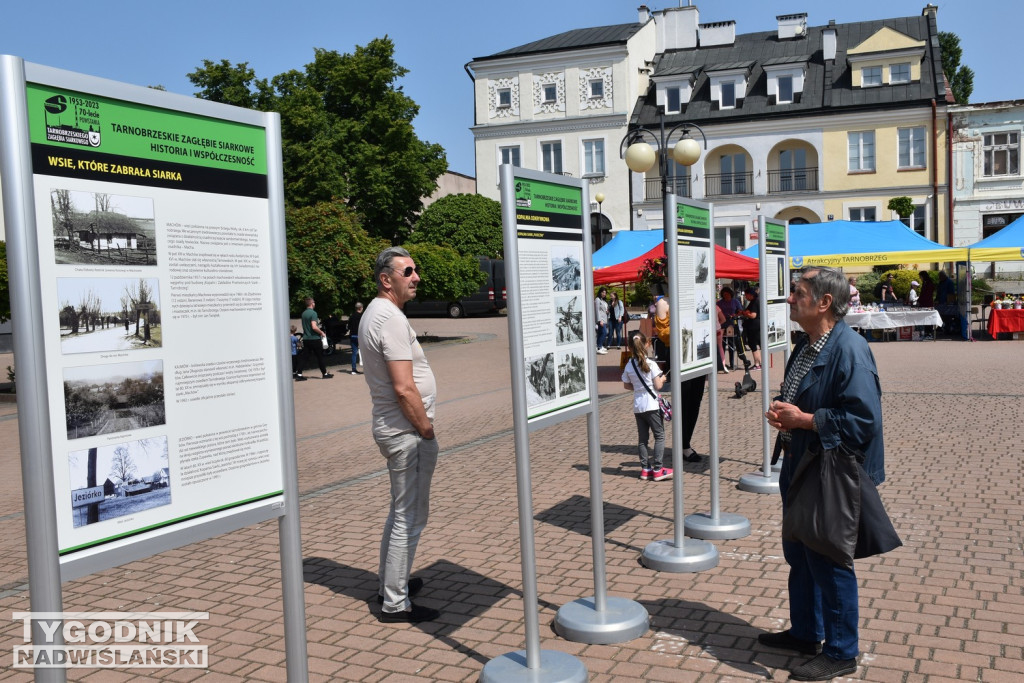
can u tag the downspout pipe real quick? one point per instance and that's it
(935, 169)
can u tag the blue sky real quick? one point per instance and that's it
(159, 43)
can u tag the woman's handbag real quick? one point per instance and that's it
(833, 507)
(663, 405)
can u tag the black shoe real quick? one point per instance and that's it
(784, 641)
(412, 616)
(693, 457)
(328, 375)
(300, 378)
(823, 668)
(415, 586)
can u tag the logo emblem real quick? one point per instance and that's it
(56, 104)
(798, 261)
(94, 138)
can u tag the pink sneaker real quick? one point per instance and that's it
(662, 474)
(645, 474)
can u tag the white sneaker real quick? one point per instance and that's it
(602, 350)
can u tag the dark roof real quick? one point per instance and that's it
(827, 86)
(572, 40)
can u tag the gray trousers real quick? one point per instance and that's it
(411, 461)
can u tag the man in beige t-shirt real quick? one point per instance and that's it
(403, 391)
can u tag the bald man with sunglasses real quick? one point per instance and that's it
(403, 392)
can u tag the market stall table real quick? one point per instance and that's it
(1005, 320)
(894, 318)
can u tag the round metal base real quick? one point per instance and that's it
(756, 482)
(555, 667)
(728, 526)
(622, 620)
(693, 556)
(777, 467)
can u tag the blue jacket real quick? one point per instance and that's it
(843, 392)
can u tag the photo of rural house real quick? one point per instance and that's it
(98, 228)
(118, 479)
(108, 314)
(106, 399)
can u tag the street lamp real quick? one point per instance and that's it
(599, 198)
(640, 157)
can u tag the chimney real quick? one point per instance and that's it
(792, 25)
(929, 9)
(828, 41)
(645, 13)
(677, 28)
(718, 33)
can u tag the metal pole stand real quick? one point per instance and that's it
(690, 556)
(759, 482)
(555, 667)
(620, 621)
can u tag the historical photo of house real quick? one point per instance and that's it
(700, 267)
(568, 319)
(121, 479)
(540, 379)
(565, 269)
(117, 397)
(95, 228)
(686, 339)
(703, 307)
(777, 328)
(108, 314)
(572, 377)
(703, 336)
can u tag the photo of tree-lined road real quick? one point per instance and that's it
(134, 476)
(99, 228)
(108, 314)
(118, 397)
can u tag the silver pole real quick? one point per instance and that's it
(289, 528)
(33, 397)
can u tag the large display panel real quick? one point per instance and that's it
(775, 285)
(695, 288)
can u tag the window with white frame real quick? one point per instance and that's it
(911, 147)
(899, 73)
(551, 156)
(510, 155)
(870, 76)
(504, 98)
(550, 93)
(597, 88)
(1002, 154)
(673, 100)
(915, 221)
(728, 99)
(862, 213)
(593, 157)
(785, 94)
(861, 150)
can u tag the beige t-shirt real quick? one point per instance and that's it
(385, 335)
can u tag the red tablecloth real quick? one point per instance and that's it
(1005, 320)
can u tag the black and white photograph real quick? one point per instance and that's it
(540, 379)
(703, 307)
(700, 268)
(776, 332)
(108, 314)
(121, 479)
(96, 228)
(572, 377)
(703, 343)
(565, 269)
(568, 319)
(781, 264)
(686, 340)
(112, 398)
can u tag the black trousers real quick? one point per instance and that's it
(691, 392)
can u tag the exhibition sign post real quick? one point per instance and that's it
(773, 318)
(689, 248)
(551, 322)
(139, 223)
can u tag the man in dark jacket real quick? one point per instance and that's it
(830, 395)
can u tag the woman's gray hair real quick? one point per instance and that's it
(822, 280)
(384, 260)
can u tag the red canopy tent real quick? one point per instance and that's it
(728, 264)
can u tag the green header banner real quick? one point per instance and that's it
(692, 216)
(547, 204)
(72, 120)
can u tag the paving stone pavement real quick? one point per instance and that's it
(948, 606)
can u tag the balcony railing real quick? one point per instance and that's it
(677, 185)
(724, 184)
(793, 180)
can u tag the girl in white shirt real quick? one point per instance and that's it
(641, 370)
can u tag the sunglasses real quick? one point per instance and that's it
(407, 271)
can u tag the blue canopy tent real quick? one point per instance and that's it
(861, 243)
(1005, 245)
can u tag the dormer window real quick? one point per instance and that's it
(550, 93)
(597, 89)
(674, 94)
(673, 100)
(870, 76)
(785, 80)
(729, 84)
(728, 100)
(504, 98)
(899, 73)
(785, 89)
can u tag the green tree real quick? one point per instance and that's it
(5, 285)
(445, 275)
(330, 257)
(903, 206)
(468, 223)
(346, 129)
(961, 78)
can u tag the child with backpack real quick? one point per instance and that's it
(643, 376)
